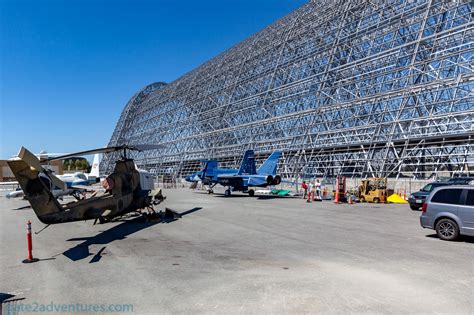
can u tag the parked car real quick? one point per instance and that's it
(417, 199)
(450, 211)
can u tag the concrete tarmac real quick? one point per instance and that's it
(240, 255)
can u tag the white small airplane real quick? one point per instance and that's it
(79, 178)
(75, 183)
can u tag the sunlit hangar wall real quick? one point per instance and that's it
(358, 88)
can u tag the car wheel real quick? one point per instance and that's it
(251, 192)
(414, 208)
(447, 230)
(227, 193)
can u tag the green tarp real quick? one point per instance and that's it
(280, 192)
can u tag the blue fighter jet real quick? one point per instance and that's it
(247, 176)
(211, 171)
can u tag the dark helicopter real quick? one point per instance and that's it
(127, 189)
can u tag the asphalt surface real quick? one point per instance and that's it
(241, 255)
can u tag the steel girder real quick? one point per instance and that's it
(360, 88)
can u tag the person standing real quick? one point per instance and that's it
(304, 186)
(310, 191)
(318, 190)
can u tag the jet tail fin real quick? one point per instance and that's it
(269, 167)
(95, 166)
(247, 166)
(209, 167)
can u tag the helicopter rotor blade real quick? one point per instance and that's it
(138, 147)
(88, 152)
(145, 147)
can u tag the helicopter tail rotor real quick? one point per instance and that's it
(36, 186)
(31, 159)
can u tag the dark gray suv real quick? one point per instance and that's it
(417, 199)
(450, 211)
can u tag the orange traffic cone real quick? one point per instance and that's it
(29, 239)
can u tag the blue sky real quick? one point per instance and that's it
(67, 68)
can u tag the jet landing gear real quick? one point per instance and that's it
(210, 190)
(228, 192)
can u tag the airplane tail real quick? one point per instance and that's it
(269, 167)
(95, 167)
(247, 166)
(209, 167)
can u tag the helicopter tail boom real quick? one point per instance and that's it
(37, 188)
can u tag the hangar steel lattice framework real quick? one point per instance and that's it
(359, 88)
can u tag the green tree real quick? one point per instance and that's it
(85, 165)
(77, 165)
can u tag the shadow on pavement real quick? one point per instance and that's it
(277, 197)
(5, 296)
(43, 259)
(117, 232)
(462, 238)
(238, 195)
(97, 256)
(8, 305)
(259, 197)
(190, 211)
(22, 208)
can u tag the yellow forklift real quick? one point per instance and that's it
(373, 190)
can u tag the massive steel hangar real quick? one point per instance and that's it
(358, 88)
